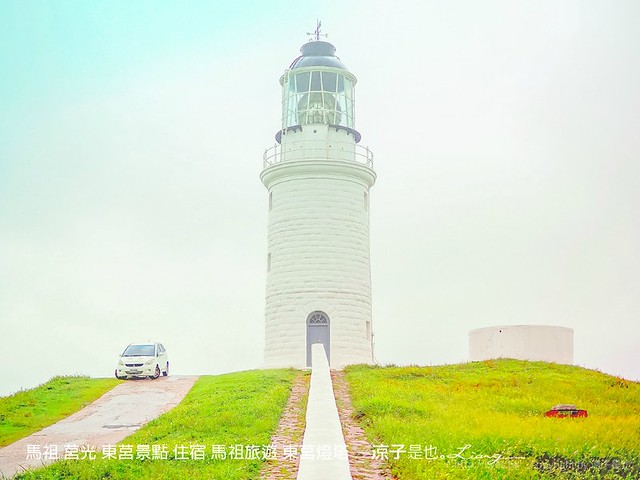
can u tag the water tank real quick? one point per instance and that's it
(523, 342)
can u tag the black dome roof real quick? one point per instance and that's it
(317, 54)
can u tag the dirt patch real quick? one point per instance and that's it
(289, 433)
(361, 463)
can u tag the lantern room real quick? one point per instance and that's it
(317, 89)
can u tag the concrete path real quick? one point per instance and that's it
(114, 416)
(324, 453)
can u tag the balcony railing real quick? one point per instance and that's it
(336, 151)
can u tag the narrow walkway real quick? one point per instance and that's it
(324, 453)
(363, 466)
(335, 447)
(114, 416)
(289, 434)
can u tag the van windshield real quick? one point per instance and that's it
(139, 351)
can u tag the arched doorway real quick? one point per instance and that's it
(318, 332)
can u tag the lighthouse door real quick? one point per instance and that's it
(318, 332)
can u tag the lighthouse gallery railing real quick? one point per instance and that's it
(353, 152)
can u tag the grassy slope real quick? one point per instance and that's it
(28, 411)
(497, 407)
(234, 409)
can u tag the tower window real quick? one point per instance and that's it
(366, 201)
(318, 318)
(270, 200)
(269, 262)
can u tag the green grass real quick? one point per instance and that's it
(28, 411)
(497, 408)
(233, 409)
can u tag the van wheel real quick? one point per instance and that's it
(156, 373)
(166, 372)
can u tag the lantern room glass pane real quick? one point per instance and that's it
(329, 81)
(316, 84)
(302, 81)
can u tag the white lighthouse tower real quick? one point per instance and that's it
(318, 178)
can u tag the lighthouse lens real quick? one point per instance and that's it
(318, 107)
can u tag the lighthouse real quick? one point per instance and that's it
(318, 179)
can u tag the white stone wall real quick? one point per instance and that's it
(523, 342)
(318, 241)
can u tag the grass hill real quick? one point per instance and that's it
(219, 413)
(486, 420)
(28, 411)
(481, 420)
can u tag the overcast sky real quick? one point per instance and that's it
(506, 145)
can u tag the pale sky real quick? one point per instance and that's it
(506, 145)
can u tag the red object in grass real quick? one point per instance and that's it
(566, 410)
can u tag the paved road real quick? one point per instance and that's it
(112, 417)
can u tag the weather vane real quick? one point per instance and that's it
(317, 33)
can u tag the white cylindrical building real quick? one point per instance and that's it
(523, 342)
(318, 179)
